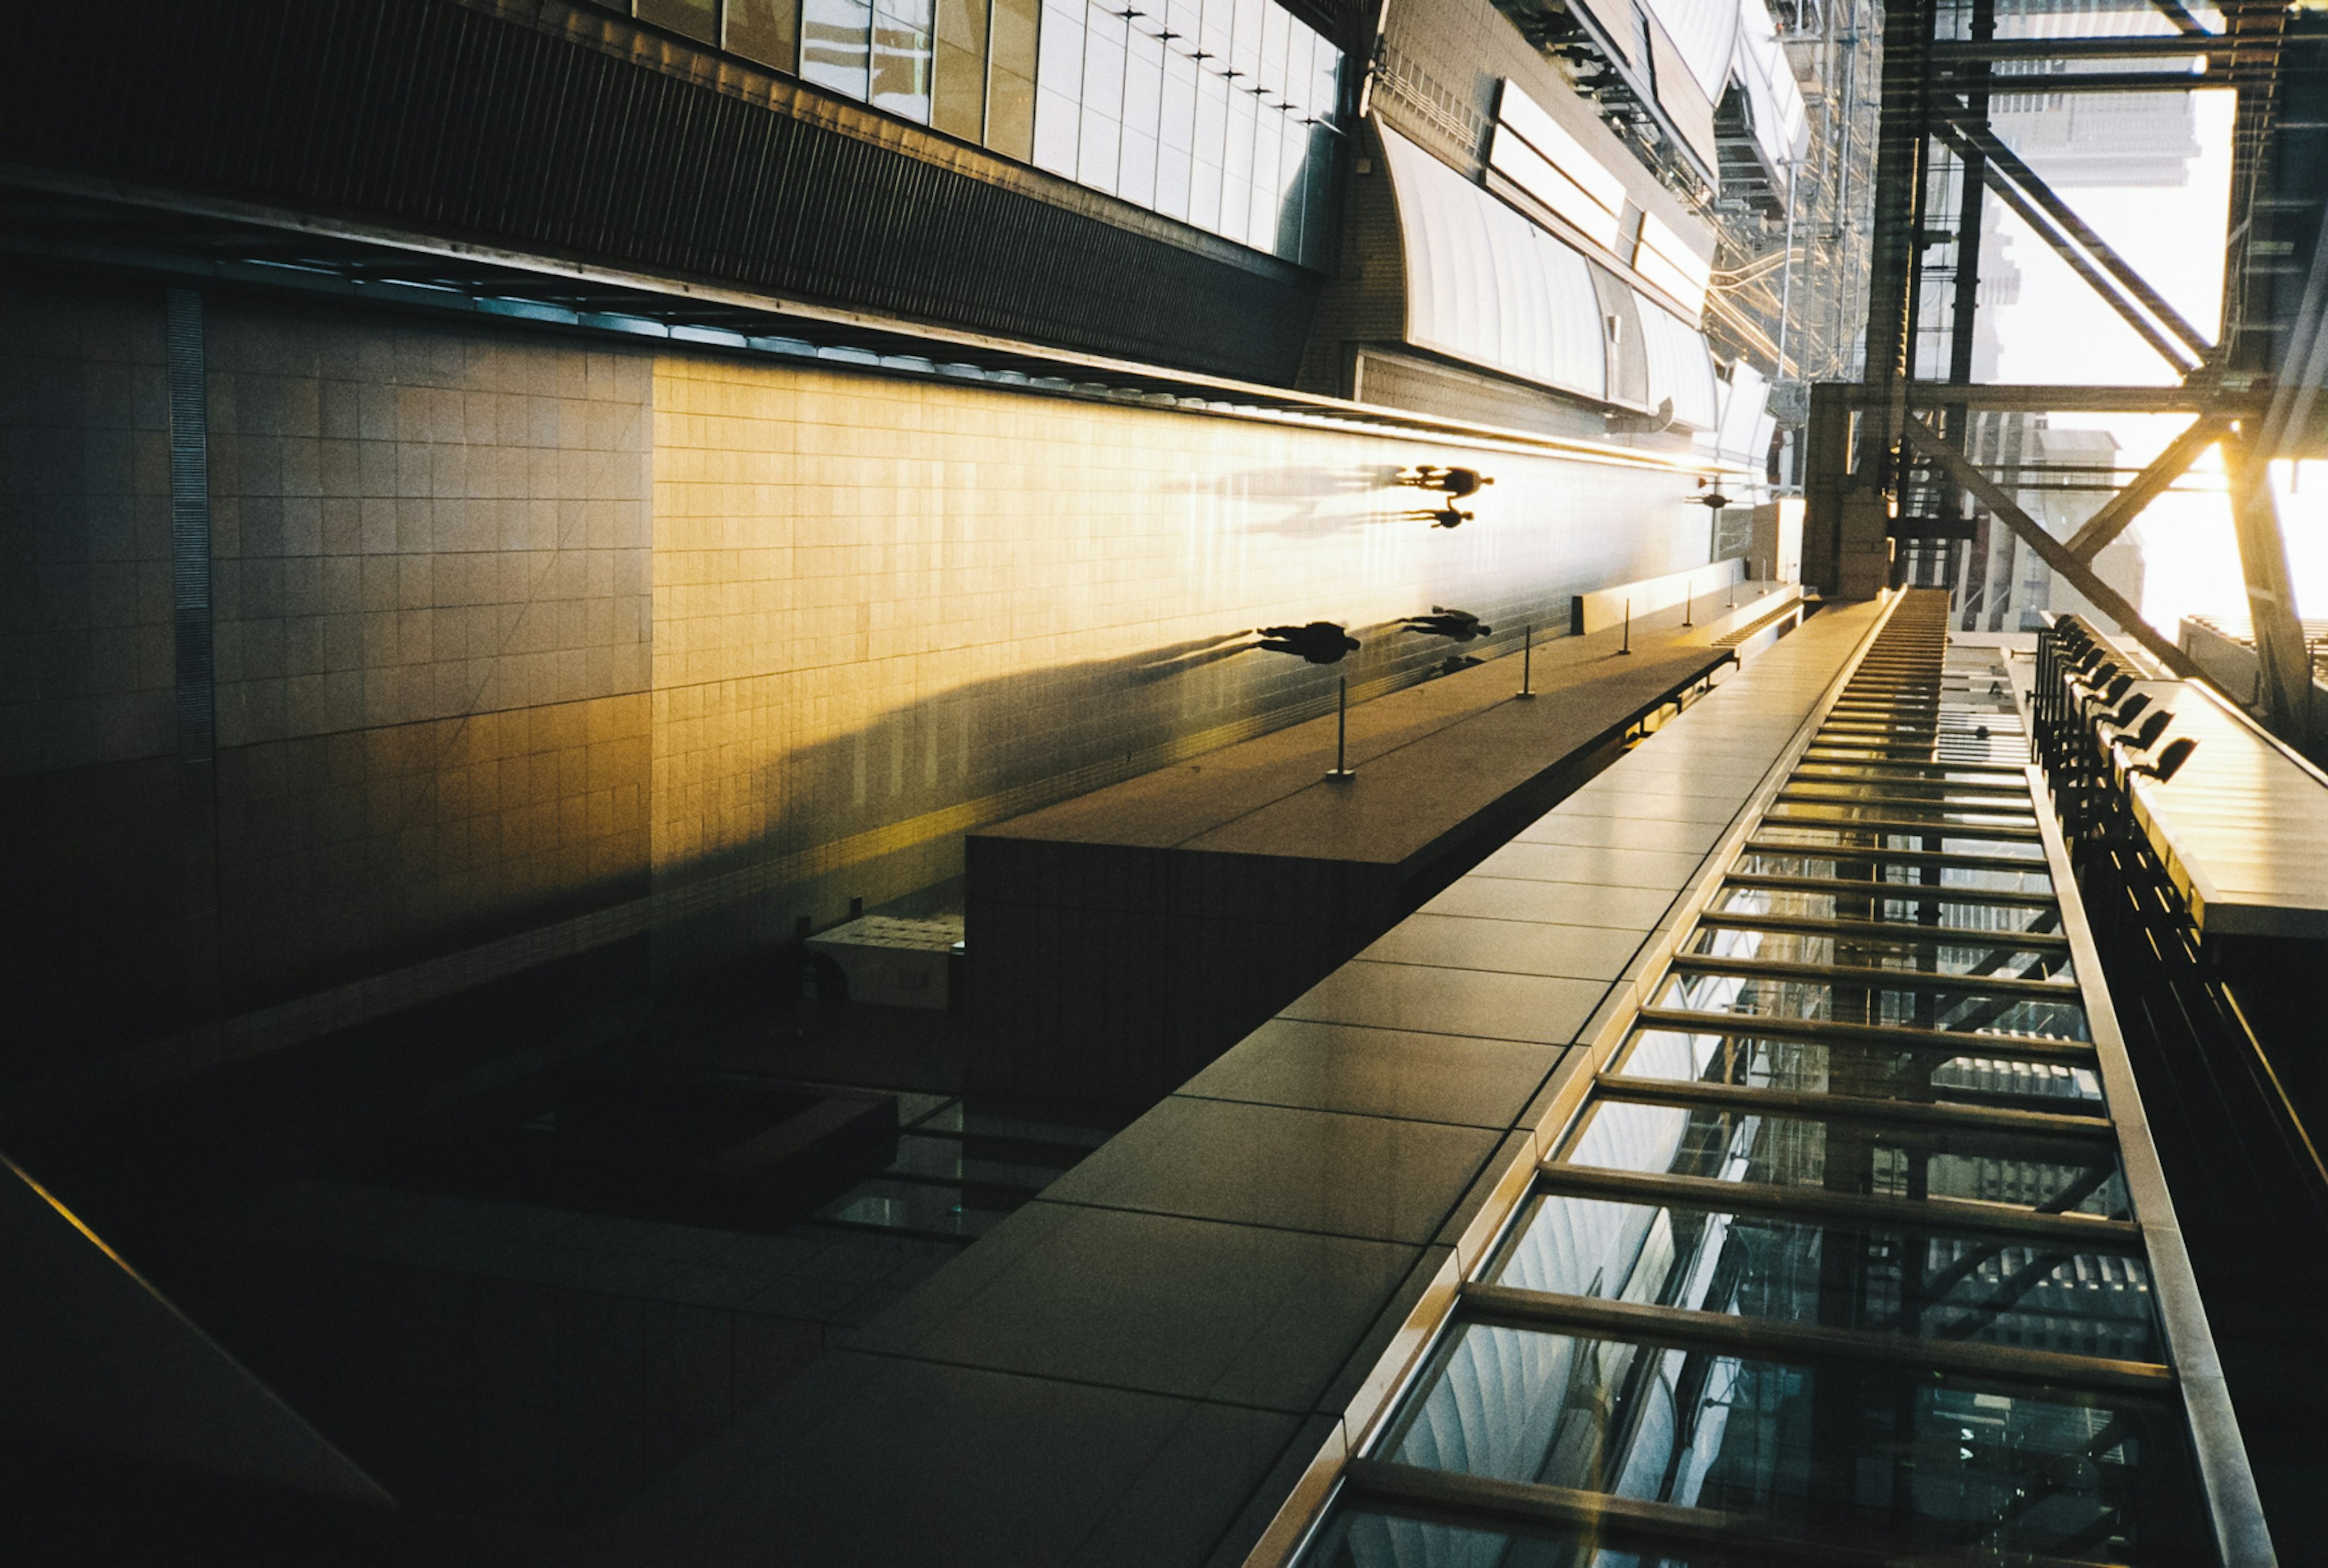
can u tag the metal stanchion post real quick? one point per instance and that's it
(1342, 730)
(1628, 628)
(1528, 653)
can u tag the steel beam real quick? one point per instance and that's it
(1981, 135)
(2041, 399)
(2146, 486)
(2282, 656)
(2052, 551)
(1778, 1340)
(2111, 82)
(1814, 1204)
(1957, 51)
(2102, 269)
(2184, 21)
(2283, 660)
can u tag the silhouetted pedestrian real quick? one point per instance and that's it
(1317, 642)
(1455, 483)
(1461, 625)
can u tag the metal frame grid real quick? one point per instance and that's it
(1883, 1038)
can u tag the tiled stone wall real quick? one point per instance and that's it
(430, 555)
(878, 598)
(512, 627)
(86, 647)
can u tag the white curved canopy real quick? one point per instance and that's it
(1486, 286)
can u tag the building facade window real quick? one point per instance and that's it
(1223, 113)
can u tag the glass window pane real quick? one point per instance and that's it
(1261, 228)
(1010, 82)
(1912, 1460)
(1831, 1275)
(901, 69)
(1060, 58)
(695, 18)
(1887, 996)
(1853, 949)
(1176, 122)
(836, 45)
(958, 69)
(1219, 29)
(1872, 901)
(2055, 1174)
(1366, 1538)
(1098, 158)
(1326, 90)
(1011, 115)
(958, 92)
(1998, 1078)
(1971, 879)
(1059, 84)
(1274, 25)
(1144, 82)
(1104, 63)
(1174, 171)
(766, 30)
(1245, 42)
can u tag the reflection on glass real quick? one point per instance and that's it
(836, 45)
(958, 69)
(1846, 868)
(1833, 1274)
(901, 57)
(1886, 998)
(2050, 1174)
(1865, 900)
(1361, 1538)
(1218, 112)
(1940, 952)
(1870, 1072)
(1946, 841)
(766, 30)
(695, 18)
(1011, 78)
(1847, 1450)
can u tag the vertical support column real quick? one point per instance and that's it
(190, 603)
(2280, 652)
(1901, 149)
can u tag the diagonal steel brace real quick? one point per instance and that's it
(2052, 551)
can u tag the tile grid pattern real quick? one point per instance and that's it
(1197, 1310)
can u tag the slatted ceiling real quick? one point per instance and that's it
(1759, 1168)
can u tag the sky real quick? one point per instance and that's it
(2059, 330)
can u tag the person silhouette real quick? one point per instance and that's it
(1316, 642)
(1460, 625)
(1446, 517)
(1454, 483)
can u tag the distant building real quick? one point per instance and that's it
(1999, 584)
(2133, 139)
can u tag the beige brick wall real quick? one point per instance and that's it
(878, 598)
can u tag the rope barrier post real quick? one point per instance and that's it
(1342, 731)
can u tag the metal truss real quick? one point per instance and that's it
(1893, 457)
